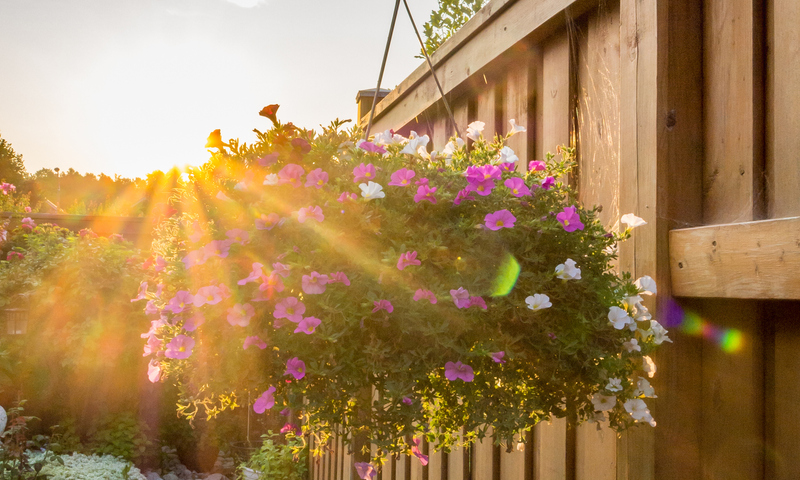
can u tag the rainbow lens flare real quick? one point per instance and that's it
(730, 340)
(507, 276)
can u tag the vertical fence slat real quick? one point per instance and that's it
(486, 106)
(512, 464)
(435, 460)
(595, 453)
(783, 114)
(518, 99)
(785, 442)
(457, 464)
(442, 130)
(483, 458)
(550, 450)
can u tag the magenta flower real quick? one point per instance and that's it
(19, 256)
(268, 160)
(210, 295)
(281, 269)
(265, 401)
(454, 371)
(254, 341)
(484, 172)
(383, 305)
(237, 235)
(407, 259)
(291, 427)
(194, 321)
(271, 283)
(313, 213)
(197, 232)
(548, 183)
(296, 368)
(508, 166)
(7, 187)
(307, 325)
(422, 181)
(536, 166)
(142, 293)
(224, 291)
(427, 294)
(365, 470)
(517, 187)
(150, 308)
(570, 219)
(268, 222)
(477, 302)
(423, 459)
(460, 297)
(500, 219)
(179, 347)
(408, 401)
(290, 308)
(424, 192)
(497, 357)
(160, 264)
(483, 188)
(241, 314)
(28, 222)
(364, 173)
(291, 174)
(195, 257)
(347, 197)
(371, 147)
(152, 346)
(402, 177)
(159, 290)
(314, 283)
(463, 195)
(154, 371)
(316, 178)
(339, 277)
(255, 274)
(180, 302)
(217, 248)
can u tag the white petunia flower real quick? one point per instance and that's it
(223, 197)
(451, 147)
(568, 271)
(639, 411)
(271, 179)
(474, 130)
(538, 301)
(515, 128)
(619, 318)
(643, 387)
(632, 220)
(603, 403)
(383, 138)
(658, 332)
(507, 156)
(414, 143)
(632, 345)
(423, 153)
(646, 285)
(371, 191)
(648, 366)
(614, 385)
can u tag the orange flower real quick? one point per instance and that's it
(215, 140)
(269, 111)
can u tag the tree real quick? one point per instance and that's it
(12, 169)
(444, 22)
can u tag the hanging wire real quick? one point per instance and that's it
(383, 66)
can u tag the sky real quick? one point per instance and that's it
(126, 87)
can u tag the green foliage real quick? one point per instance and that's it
(121, 435)
(278, 461)
(14, 461)
(444, 22)
(12, 168)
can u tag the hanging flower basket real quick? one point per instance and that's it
(390, 293)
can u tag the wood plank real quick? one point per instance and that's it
(595, 452)
(519, 101)
(458, 464)
(550, 450)
(512, 464)
(442, 130)
(483, 458)
(744, 260)
(435, 460)
(784, 442)
(734, 144)
(513, 22)
(486, 106)
(782, 114)
(555, 93)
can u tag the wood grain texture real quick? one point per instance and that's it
(595, 452)
(483, 458)
(519, 101)
(782, 112)
(512, 464)
(550, 450)
(487, 104)
(556, 103)
(784, 442)
(744, 260)
(733, 154)
(435, 460)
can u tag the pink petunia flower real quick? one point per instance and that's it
(291, 309)
(296, 368)
(160, 264)
(254, 341)
(347, 197)
(517, 187)
(314, 283)
(424, 192)
(363, 173)
(180, 302)
(463, 195)
(536, 166)
(427, 294)
(195, 257)
(291, 427)
(291, 174)
(281, 269)
(365, 470)
(460, 297)
(339, 277)
(371, 147)
(241, 314)
(210, 295)
(497, 357)
(484, 172)
(179, 347)
(194, 321)
(255, 274)
(237, 235)
(458, 370)
(477, 302)
(499, 219)
(142, 293)
(423, 459)
(422, 181)
(197, 232)
(408, 401)
(307, 325)
(483, 188)
(548, 183)
(268, 222)
(402, 177)
(152, 346)
(217, 248)
(28, 222)
(508, 166)
(265, 401)
(570, 219)
(383, 305)
(316, 178)
(154, 371)
(268, 160)
(407, 259)
(224, 291)
(151, 309)
(313, 213)
(19, 256)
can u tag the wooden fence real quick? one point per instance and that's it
(687, 113)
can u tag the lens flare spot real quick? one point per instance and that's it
(731, 340)
(507, 276)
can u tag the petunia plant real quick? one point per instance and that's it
(395, 293)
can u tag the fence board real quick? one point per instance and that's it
(435, 461)
(595, 452)
(783, 116)
(512, 464)
(442, 130)
(550, 450)
(784, 445)
(458, 464)
(486, 106)
(519, 97)
(733, 155)
(483, 458)
(555, 94)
